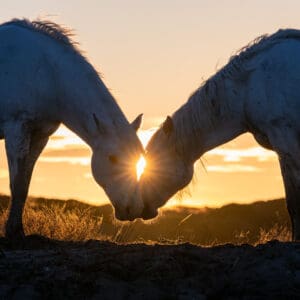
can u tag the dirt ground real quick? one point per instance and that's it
(39, 268)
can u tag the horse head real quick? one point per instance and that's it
(113, 167)
(167, 170)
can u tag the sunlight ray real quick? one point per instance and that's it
(140, 166)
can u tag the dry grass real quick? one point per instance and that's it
(77, 224)
(56, 223)
(277, 232)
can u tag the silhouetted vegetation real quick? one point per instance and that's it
(72, 220)
(87, 256)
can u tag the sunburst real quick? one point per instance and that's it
(140, 166)
(145, 136)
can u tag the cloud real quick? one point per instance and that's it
(87, 175)
(232, 168)
(236, 155)
(84, 161)
(63, 137)
(68, 152)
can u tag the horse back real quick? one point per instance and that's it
(272, 92)
(27, 77)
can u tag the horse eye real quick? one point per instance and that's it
(113, 159)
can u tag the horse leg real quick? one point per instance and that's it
(285, 143)
(290, 170)
(23, 147)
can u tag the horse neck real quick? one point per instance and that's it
(212, 116)
(84, 97)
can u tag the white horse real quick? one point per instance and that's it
(45, 81)
(258, 91)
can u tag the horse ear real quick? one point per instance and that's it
(100, 126)
(136, 124)
(168, 125)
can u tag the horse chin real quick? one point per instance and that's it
(149, 213)
(124, 218)
(152, 200)
(129, 211)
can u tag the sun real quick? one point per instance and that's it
(140, 166)
(144, 136)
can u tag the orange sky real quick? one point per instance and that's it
(152, 55)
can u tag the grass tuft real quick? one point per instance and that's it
(237, 224)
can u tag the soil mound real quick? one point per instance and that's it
(40, 268)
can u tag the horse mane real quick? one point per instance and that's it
(53, 30)
(237, 61)
(235, 68)
(188, 117)
(59, 33)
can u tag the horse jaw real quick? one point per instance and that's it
(129, 208)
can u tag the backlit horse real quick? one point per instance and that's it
(258, 91)
(45, 81)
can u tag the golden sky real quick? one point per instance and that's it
(152, 55)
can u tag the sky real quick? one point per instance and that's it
(152, 55)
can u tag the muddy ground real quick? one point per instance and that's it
(39, 268)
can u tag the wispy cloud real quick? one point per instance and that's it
(84, 161)
(63, 137)
(236, 155)
(87, 175)
(68, 152)
(233, 168)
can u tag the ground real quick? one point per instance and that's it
(40, 268)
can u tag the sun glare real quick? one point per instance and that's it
(144, 136)
(140, 166)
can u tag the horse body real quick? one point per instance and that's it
(273, 97)
(45, 81)
(258, 91)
